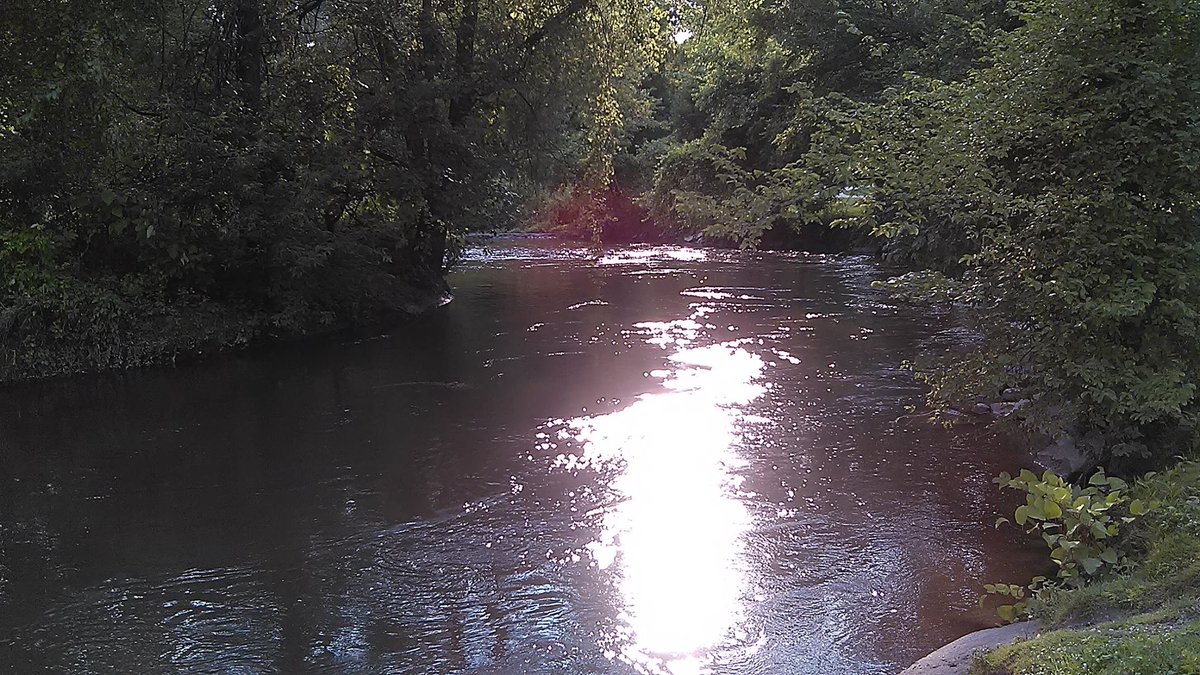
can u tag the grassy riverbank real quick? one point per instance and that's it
(1146, 621)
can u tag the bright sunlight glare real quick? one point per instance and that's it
(674, 538)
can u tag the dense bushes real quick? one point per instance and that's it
(1066, 167)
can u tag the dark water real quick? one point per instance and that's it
(660, 461)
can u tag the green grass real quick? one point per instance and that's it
(1125, 650)
(1145, 621)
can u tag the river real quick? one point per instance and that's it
(655, 460)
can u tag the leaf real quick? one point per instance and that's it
(1052, 510)
(1021, 515)
(1090, 565)
(1136, 508)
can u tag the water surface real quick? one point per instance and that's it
(651, 460)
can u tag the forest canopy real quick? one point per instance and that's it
(183, 174)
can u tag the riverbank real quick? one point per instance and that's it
(1145, 621)
(100, 332)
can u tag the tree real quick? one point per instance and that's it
(239, 169)
(762, 91)
(1066, 169)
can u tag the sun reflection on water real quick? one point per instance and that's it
(673, 538)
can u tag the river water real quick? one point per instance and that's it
(655, 460)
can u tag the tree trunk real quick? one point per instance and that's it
(463, 102)
(249, 64)
(431, 232)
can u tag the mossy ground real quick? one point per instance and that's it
(1144, 622)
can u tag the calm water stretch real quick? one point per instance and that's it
(657, 460)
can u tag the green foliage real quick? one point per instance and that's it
(919, 286)
(711, 189)
(1156, 592)
(1081, 525)
(1164, 585)
(1058, 185)
(1017, 593)
(289, 167)
(758, 100)
(570, 211)
(26, 264)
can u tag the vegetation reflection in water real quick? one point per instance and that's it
(673, 539)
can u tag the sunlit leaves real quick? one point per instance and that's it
(1079, 524)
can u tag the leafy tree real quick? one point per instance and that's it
(188, 174)
(1065, 172)
(764, 89)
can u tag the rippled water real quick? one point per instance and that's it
(656, 460)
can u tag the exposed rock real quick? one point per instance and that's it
(1011, 395)
(1004, 409)
(949, 416)
(1000, 409)
(1064, 457)
(982, 409)
(955, 658)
